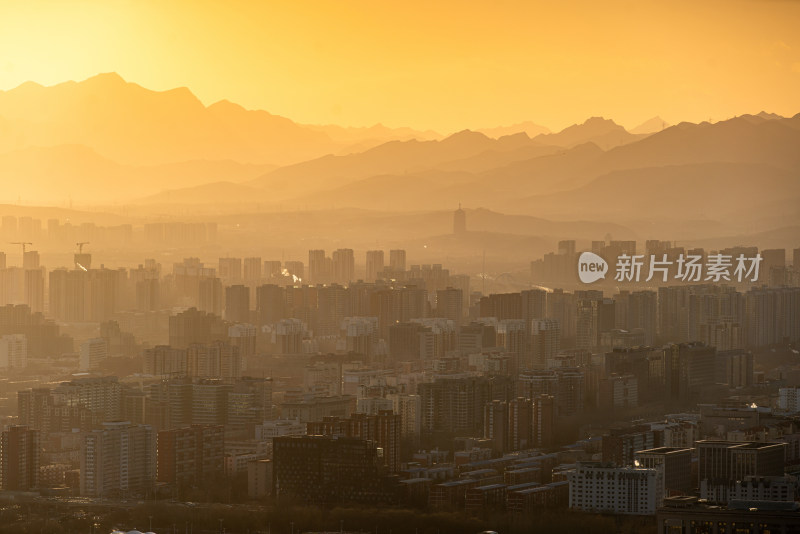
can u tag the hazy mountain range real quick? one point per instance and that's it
(105, 140)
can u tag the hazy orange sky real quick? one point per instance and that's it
(441, 65)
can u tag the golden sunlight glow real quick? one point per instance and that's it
(441, 65)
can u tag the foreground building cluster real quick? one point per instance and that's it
(405, 387)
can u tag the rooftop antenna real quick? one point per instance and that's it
(483, 290)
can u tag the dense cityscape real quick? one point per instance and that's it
(389, 385)
(414, 267)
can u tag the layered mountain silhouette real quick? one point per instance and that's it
(132, 125)
(605, 133)
(656, 124)
(53, 175)
(530, 128)
(129, 124)
(396, 157)
(106, 140)
(361, 139)
(752, 163)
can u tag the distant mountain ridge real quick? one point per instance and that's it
(392, 157)
(105, 140)
(58, 174)
(653, 125)
(605, 133)
(530, 128)
(129, 124)
(753, 163)
(399, 157)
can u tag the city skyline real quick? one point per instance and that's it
(411, 268)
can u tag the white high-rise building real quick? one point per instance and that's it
(93, 351)
(118, 460)
(597, 487)
(789, 400)
(13, 351)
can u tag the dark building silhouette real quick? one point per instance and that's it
(688, 369)
(344, 265)
(721, 463)
(237, 304)
(383, 429)
(189, 455)
(210, 295)
(327, 470)
(194, 326)
(19, 458)
(397, 260)
(43, 335)
(270, 304)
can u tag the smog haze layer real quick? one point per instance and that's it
(366, 125)
(399, 267)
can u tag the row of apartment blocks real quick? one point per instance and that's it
(719, 316)
(715, 315)
(117, 460)
(440, 400)
(435, 401)
(726, 472)
(120, 458)
(332, 469)
(84, 293)
(305, 469)
(656, 471)
(339, 267)
(54, 232)
(86, 403)
(534, 324)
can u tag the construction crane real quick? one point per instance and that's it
(80, 246)
(23, 243)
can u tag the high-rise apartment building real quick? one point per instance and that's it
(383, 428)
(397, 260)
(344, 265)
(318, 271)
(374, 265)
(545, 342)
(230, 269)
(19, 458)
(118, 461)
(190, 455)
(251, 271)
(450, 304)
(13, 351)
(237, 304)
